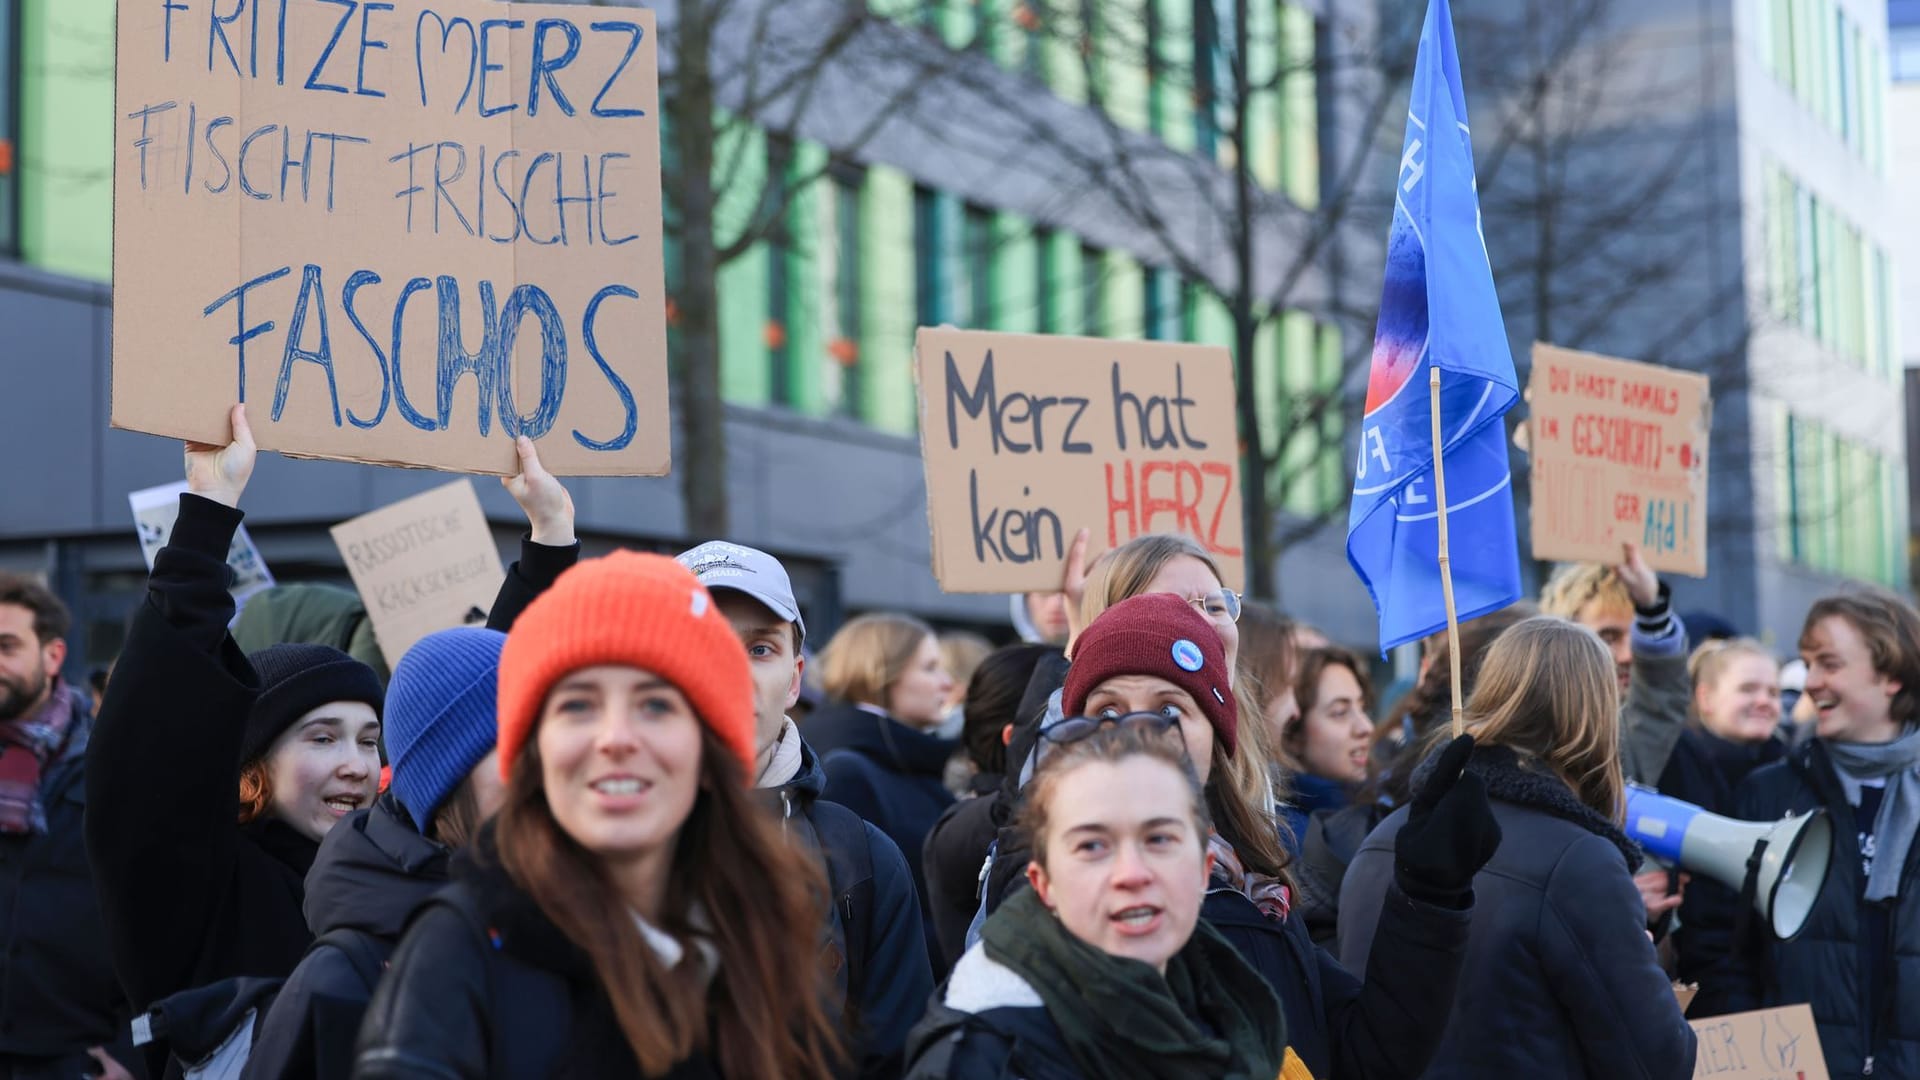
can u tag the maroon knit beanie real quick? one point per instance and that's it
(1162, 635)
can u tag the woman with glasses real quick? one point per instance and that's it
(1153, 661)
(1103, 968)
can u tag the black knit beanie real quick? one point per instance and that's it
(295, 679)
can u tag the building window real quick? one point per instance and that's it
(9, 137)
(843, 348)
(978, 254)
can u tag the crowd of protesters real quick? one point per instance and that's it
(1169, 832)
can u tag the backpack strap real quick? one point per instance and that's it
(842, 837)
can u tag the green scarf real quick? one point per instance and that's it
(1212, 1015)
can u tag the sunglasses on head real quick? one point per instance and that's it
(1074, 728)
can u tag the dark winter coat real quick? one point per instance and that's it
(484, 985)
(373, 872)
(885, 976)
(1332, 839)
(956, 849)
(1706, 770)
(189, 897)
(527, 578)
(889, 774)
(1559, 973)
(1310, 795)
(1823, 965)
(58, 995)
(1339, 1026)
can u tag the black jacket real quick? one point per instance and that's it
(58, 995)
(955, 850)
(373, 872)
(1340, 1027)
(1706, 770)
(1559, 971)
(1823, 965)
(485, 985)
(889, 774)
(189, 897)
(1326, 850)
(885, 977)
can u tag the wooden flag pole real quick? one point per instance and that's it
(1446, 563)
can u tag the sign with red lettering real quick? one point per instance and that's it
(1768, 1044)
(1027, 439)
(402, 232)
(1619, 453)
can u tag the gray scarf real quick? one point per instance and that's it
(1893, 829)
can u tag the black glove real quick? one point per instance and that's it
(1450, 832)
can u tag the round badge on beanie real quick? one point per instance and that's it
(440, 715)
(1157, 634)
(295, 679)
(642, 610)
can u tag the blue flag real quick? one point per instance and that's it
(1438, 307)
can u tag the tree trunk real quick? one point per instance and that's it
(1253, 469)
(703, 468)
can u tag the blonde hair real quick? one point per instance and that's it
(868, 655)
(963, 650)
(1575, 585)
(1709, 663)
(1125, 572)
(1547, 691)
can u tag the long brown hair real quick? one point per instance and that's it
(458, 818)
(1547, 691)
(762, 902)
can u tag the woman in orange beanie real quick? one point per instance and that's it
(631, 912)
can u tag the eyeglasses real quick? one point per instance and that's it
(1222, 604)
(1075, 728)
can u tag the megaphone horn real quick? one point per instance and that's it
(1787, 860)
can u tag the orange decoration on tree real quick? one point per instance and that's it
(844, 351)
(776, 334)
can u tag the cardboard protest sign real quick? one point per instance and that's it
(154, 512)
(422, 564)
(1026, 439)
(1770, 1044)
(1619, 453)
(403, 232)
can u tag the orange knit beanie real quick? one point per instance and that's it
(629, 608)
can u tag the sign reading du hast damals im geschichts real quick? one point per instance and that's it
(401, 232)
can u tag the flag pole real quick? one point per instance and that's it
(1446, 563)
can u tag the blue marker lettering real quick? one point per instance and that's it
(216, 28)
(244, 143)
(446, 35)
(360, 74)
(487, 26)
(620, 441)
(311, 291)
(455, 360)
(407, 412)
(288, 162)
(518, 223)
(359, 280)
(525, 300)
(526, 182)
(561, 199)
(544, 68)
(440, 182)
(313, 78)
(146, 140)
(413, 187)
(212, 148)
(244, 332)
(605, 196)
(633, 46)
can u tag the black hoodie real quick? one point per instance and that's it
(373, 872)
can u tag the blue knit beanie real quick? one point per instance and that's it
(440, 715)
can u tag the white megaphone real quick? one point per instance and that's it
(1787, 859)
